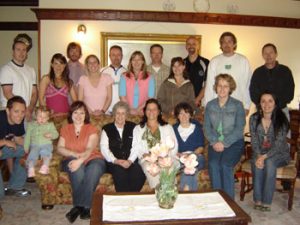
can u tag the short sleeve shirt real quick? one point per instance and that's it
(22, 78)
(6, 128)
(94, 97)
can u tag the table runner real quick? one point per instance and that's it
(145, 207)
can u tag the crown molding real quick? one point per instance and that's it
(161, 16)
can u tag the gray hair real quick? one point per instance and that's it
(120, 104)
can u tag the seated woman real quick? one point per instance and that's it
(269, 127)
(224, 121)
(82, 160)
(115, 145)
(177, 88)
(190, 139)
(95, 89)
(137, 85)
(151, 130)
(56, 86)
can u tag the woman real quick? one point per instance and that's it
(224, 121)
(177, 88)
(82, 160)
(116, 141)
(190, 139)
(151, 130)
(137, 85)
(268, 127)
(56, 86)
(95, 89)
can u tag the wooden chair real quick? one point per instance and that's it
(285, 174)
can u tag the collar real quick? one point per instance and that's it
(18, 65)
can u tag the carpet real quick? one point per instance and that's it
(27, 210)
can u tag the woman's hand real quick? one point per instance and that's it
(123, 163)
(48, 135)
(260, 161)
(75, 164)
(218, 147)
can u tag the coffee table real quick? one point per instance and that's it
(238, 217)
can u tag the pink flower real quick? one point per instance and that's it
(151, 158)
(165, 162)
(163, 151)
(153, 169)
(190, 162)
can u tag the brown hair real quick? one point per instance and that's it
(43, 109)
(77, 105)
(269, 45)
(228, 34)
(73, 45)
(180, 61)
(144, 67)
(228, 78)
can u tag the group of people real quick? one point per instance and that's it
(225, 86)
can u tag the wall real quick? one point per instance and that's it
(281, 8)
(250, 40)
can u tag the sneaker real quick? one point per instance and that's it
(31, 172)
(44, 170)
(9, 191)
(22, 193)
(19, 193)
(85, 214)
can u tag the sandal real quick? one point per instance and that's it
(44, 170)
(257, 206)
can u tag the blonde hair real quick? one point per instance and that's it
(228, 78)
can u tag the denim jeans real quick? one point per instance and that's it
(264, 180)
(84, 180)
(192, 180)
(45, 151)
(18, 176)
(221, 166)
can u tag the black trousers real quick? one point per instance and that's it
(131, 179)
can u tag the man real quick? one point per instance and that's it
(229, 62)
(76, 68)
(115, 70)
(11, 145)
(156, 68)
(17, 78)
(196, 67)
(274, 77)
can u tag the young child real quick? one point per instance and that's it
(38, 137)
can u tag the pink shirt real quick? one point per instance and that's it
(57, 98)
(137, 92)
(76, 71)
(94, 97)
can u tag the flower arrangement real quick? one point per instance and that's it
(162, 163)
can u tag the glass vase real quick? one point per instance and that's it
(166, 192)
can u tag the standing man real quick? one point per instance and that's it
(156, 68)
(196, 67)
(115, 70)
(11, 145)
(273, 77)
(230, 62)
(76, 68)
(17, 78)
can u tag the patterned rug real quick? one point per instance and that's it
(27, 211)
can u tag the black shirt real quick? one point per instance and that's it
(8, 129)
(278, 80)
(197, 72)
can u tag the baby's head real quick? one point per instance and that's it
(42, 114)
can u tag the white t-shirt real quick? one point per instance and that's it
(185, 132)
(238, 67)
(21, 77)
(115, 74)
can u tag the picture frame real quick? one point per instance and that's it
(174, 45)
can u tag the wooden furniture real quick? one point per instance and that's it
(241, 217)
(284, 174)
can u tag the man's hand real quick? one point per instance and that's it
(11, 144)
(218, 147)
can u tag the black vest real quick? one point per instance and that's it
(120, 146)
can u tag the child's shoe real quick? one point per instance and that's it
(31, 172)
(44, 170)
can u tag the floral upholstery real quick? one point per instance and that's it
(55, 187)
